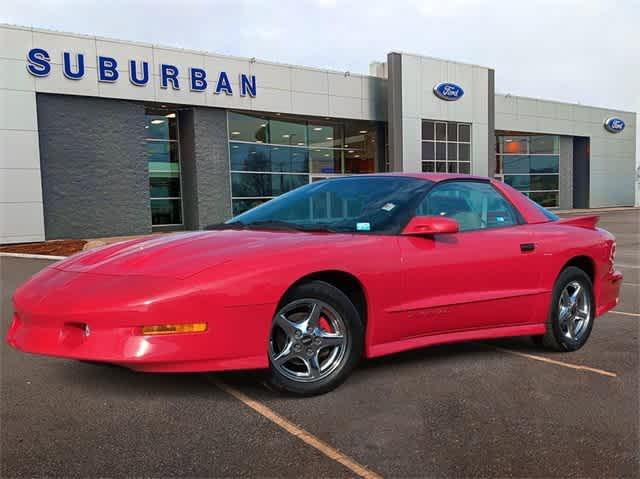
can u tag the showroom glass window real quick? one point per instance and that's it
(163, 156)
(446, 147)
(530, 163)
(273, 154)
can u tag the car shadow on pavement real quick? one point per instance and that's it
(127, 384)
(255, 382)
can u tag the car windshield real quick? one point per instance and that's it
(365, 204)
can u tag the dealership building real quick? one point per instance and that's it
(102, 137)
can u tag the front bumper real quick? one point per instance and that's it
(100, 318)
(185, 352)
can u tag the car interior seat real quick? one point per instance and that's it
(457, 209)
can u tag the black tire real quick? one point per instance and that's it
(556, 337)
(334, 302)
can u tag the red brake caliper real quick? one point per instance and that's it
(324, 325)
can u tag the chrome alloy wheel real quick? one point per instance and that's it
(308, 340)
(574, 311)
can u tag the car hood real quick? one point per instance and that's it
(185, 254)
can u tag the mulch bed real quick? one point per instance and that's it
(53, 248)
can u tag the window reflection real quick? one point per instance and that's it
(163, 159)
(325, 161)
(252, 185)
(288, 133)
(325, 135)
(531, 164)
(160, 126)
(248, 128)
(446, 147)
(298, 150)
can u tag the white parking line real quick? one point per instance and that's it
(32, 256)
(630, 266)
(298, 432)
(624, 313)
(579, 367)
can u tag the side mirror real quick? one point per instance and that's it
(430, 225)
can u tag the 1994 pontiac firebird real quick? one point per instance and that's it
(308, 283)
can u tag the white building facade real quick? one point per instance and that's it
(100, 137)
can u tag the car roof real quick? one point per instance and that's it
(435, 177)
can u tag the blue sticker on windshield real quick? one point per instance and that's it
(363, 226)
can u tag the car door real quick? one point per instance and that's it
(484, 276)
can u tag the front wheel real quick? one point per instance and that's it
(572, 311)
(316, 339)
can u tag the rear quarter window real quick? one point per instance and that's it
(474, 205)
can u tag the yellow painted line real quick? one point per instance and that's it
(602, 372)
(298, 432)
(624, 313)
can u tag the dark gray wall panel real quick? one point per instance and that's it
(188, 169)
(95, 179)
(210, 157)
(394, 111)
(566, 172)
(492, 123)
(581, 172)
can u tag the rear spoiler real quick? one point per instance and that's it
(588, 222)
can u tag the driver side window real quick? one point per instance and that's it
(474, 205)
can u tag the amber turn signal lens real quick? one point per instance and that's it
(175, 328)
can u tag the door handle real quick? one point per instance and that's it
(526, 247)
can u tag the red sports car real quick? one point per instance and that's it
(308, 283)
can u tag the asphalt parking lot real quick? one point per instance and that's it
(503, 408)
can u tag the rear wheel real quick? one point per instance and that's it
(316, 339)
(572, 311)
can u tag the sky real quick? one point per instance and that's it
(581, 51)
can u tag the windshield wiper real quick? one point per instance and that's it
(273, 225)
(235, 225)
(318, 228)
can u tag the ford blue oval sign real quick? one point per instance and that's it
(614, 125)
(448, 91)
